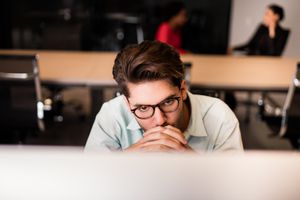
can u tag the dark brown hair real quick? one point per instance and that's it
(148, 61)
(172, 8)
(277, 10)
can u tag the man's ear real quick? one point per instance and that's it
(183, 89)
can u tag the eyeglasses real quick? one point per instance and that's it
(146, 111)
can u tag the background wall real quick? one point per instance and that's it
(107, 25)
(246, 15)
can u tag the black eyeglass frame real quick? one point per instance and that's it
(157, 105)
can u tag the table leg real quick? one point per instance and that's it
(97, 99)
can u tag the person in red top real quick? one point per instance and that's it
(169, 31)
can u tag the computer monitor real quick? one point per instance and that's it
(69, 173)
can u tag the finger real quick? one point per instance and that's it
(153, 130)
(169, 142)
(169, 130)
(156, 148)
(151, 137)
(172, 127)
(159, 136)
(175, 133)
(135, 147)
(155, 138)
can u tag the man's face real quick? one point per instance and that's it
(153, 93)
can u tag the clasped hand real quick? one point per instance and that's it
(162, 139)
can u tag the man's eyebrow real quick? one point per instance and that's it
(168, 97)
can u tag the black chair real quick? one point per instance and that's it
(285, 122)
(20, 95)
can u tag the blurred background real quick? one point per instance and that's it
(109, 25)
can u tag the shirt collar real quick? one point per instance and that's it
(196, 126)
(133, 124)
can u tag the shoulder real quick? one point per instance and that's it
(284, 31)
(215, 120)
(262, 27)
(114, 109)
(206, 102)
(211, 107)
(164, 26)
(113, 104)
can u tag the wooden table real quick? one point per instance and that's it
(208, 71)
(243, 73)
(73, 68)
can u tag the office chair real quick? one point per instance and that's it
(20, 95)
(285, 122)
(187, 73)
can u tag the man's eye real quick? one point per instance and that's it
(168, 102)
(143, 108)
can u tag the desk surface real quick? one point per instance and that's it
(71, 67)
(241, 72)
(208, 71)
(63, 173)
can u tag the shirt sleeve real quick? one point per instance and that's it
(251, 45)
(231, 140)
(229, 136)
(103, 135)
(279, 42)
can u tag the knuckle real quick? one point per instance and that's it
(165, 141)
(161, 147)
(178, 146)
(163, 136)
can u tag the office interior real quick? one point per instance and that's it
(93, 26)
(75, 38)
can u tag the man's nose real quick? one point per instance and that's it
(159, 117)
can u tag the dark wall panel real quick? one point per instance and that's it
(107, 24)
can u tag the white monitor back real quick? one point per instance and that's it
(68, 173)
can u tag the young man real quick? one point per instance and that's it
(156, 112)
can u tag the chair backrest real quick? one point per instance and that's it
(20, 93)
(187, 73)
(291, 111)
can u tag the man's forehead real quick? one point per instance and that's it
(151, 101)
(150, 93)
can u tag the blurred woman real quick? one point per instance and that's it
(270, 38)
(169, 31)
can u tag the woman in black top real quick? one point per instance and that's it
(270, 38)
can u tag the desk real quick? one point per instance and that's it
(73, 68)
(242, 73)
(208, 71)
(213, 72)
(61, 69)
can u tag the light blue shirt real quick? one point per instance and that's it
(212, 127)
